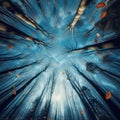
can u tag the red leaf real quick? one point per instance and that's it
(104, 13)
(108, 95)
(101, 5)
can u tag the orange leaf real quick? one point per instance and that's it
(14, 92)
(30, 37)
(108, 95)
(10, 46)
(100, 5)
(103, 14)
